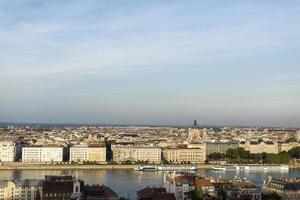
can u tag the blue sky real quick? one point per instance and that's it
(150, 62)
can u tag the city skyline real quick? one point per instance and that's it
(229, 63)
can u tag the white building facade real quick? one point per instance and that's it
(7, 151)
(42, 154)
(88, 153)
(136, 153)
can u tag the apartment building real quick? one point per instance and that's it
(7, 150)
(287, 188)
(19, 189)
(42, 154)
(136, 153)
(88, 153)
(184, 155)
(181, 185)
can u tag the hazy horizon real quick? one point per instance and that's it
(232, 63)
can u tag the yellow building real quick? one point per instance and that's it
(287, 146)
(260, 146)
(19, 189)
(185, 155)
(88, 153)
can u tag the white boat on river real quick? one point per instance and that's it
(167, 168)
(251, 167)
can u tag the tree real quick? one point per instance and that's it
(281, 158)
(197, 194)
(237, 154)
(232, 153)
(295, 152)
(257, 157)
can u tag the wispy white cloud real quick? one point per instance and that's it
(95, 40)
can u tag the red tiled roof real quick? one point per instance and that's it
(7, 139)
(203, 183)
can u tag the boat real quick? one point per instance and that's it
(219, 168)
(251, 167)
(167, 168)
(147, 168)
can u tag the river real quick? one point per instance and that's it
(127, 181)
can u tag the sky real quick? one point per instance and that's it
(231, 63)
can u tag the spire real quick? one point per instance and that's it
(195, 125)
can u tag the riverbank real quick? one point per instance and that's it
(31, 166)
(20, 166)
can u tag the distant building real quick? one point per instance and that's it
(244, 190)
(154, 194)
(220, 147)
(19, 189)
(42, 154)
(60, 187)
(182, 185)
(287, 146)
(99, 192)
(287, 188)
(8, 150)
(222, 188)
(206, 186)
(260, 146)
(185, 155)
(195, 134)
(236, 189)
(136, 153)
(88, 153)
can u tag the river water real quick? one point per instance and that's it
(126, 182)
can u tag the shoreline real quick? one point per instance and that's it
(23, 166)
(30, 166)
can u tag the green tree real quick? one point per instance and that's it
(197, 194)
(238, 154)
(295, 152)
(281, 158)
